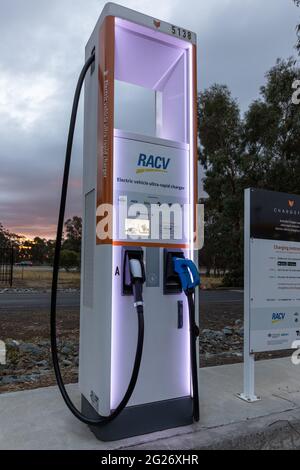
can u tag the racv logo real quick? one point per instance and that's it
(277, 317)
(151, 163)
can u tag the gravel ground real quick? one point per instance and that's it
(26, 334)
(219, 345)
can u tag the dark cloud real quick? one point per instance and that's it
(41, 53)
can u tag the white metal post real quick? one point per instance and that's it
(249, 358)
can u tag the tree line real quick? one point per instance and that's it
(41, 250)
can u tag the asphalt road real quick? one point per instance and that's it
(37, 300)
(71, 299)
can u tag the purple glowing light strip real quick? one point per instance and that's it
(117, 309)
(191, 162)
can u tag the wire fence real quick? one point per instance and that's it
(6, 266)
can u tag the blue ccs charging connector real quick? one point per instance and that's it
(187, 272)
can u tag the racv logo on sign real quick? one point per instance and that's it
(152, 164)
(150, 169)
(277, 317)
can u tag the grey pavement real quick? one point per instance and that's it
(38, 419)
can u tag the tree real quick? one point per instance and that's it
(221, 154)
(7, 238)
(3, 236)
(39, 250)
(73, 231)
(69, 260)
(50, 251)
(272, 133)
(261, 150)
(297, 2)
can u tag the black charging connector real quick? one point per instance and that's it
(127, 255)
(172, 283)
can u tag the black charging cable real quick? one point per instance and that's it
(139, 307)
(194, 334)
(190, 278)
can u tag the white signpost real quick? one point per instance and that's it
(271, 277)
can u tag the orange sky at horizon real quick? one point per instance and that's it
(48, 232)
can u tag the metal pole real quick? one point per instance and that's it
(2, 273)
(249, 358)
(11, 267)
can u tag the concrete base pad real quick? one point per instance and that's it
(38, 419)
(143, 419)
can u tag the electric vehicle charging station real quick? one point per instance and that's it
(138, 166)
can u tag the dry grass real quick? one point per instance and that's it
(40, 278)
(211, 282)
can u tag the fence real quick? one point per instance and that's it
(6, 266)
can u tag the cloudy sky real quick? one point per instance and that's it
(41, 53)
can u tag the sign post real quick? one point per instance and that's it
(249, 358)
(271, 277)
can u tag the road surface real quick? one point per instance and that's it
(37, 300)
(71, 299)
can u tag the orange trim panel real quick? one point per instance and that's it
(105, 116)
(195, 98)
(154, 245)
